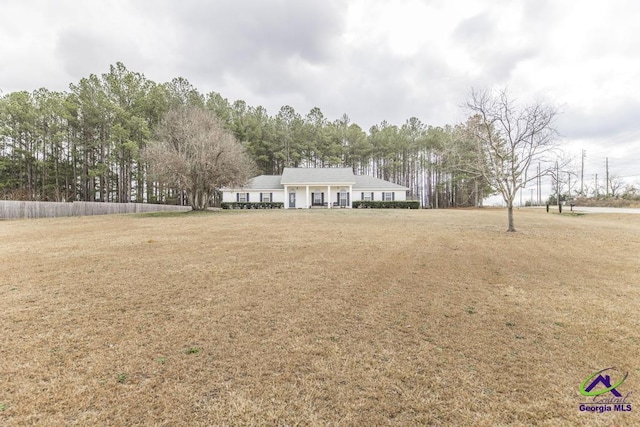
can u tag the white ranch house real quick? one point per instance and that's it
(303, 188)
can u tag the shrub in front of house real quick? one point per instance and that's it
(386, 204)
(252, 205)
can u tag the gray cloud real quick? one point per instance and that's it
(80, 52)
(260, 43)
(497, 53)
(475, 31)
(606, 120)
(306, 54)
(607, 131)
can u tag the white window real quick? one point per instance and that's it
(317, 198)
(242, 197)
(266, 197)
(367, 196)
(387, 196)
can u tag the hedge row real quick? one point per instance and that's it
(371, 204)
(390, 204)
(252, 205)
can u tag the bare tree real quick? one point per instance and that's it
(193, 152)
(616, 185)
(510, 138)
(631, 192)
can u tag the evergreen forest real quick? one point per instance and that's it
(87, 144)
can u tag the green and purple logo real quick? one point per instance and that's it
(598, 385)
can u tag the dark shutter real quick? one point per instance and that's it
(322, 195)
(313, 200)
(372, 195)
(260, 197)
(383, 196)
(338, 198)
(237, 197)
(247, 197)
(348, 194)
(271, 197)
(393, 195)
(362, 196)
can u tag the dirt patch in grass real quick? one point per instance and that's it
(334, 317)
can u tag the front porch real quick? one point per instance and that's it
(325, 205)
(317, 196)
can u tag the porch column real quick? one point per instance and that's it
(308, 201)
(286, 197)
(350, 196)
(329, 196)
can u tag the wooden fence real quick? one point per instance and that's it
(10, 209)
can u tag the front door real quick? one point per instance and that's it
(292, 200)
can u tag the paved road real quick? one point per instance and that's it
(602, 210)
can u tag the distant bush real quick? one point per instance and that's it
(252, 205)
(609, 202)
(391, 204)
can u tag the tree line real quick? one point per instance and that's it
(87, 143)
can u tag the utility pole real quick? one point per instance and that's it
(521, 190)
(569, 176)
(597, 190)
(607, 177)
(584, 154)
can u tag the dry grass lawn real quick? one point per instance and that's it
(341, 318)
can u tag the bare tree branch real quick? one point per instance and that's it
(509, 139)
(193, 152)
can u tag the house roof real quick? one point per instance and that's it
(319, 176)
(365, 182)
(264, 182)
(305, 176)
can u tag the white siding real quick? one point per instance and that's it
(278, 195)
(254, 195)
(301, 195)
(228, 196)
(400, 195)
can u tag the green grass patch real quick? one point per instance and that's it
(193, 350)
(569, 213)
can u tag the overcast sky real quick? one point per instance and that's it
(372, 59)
